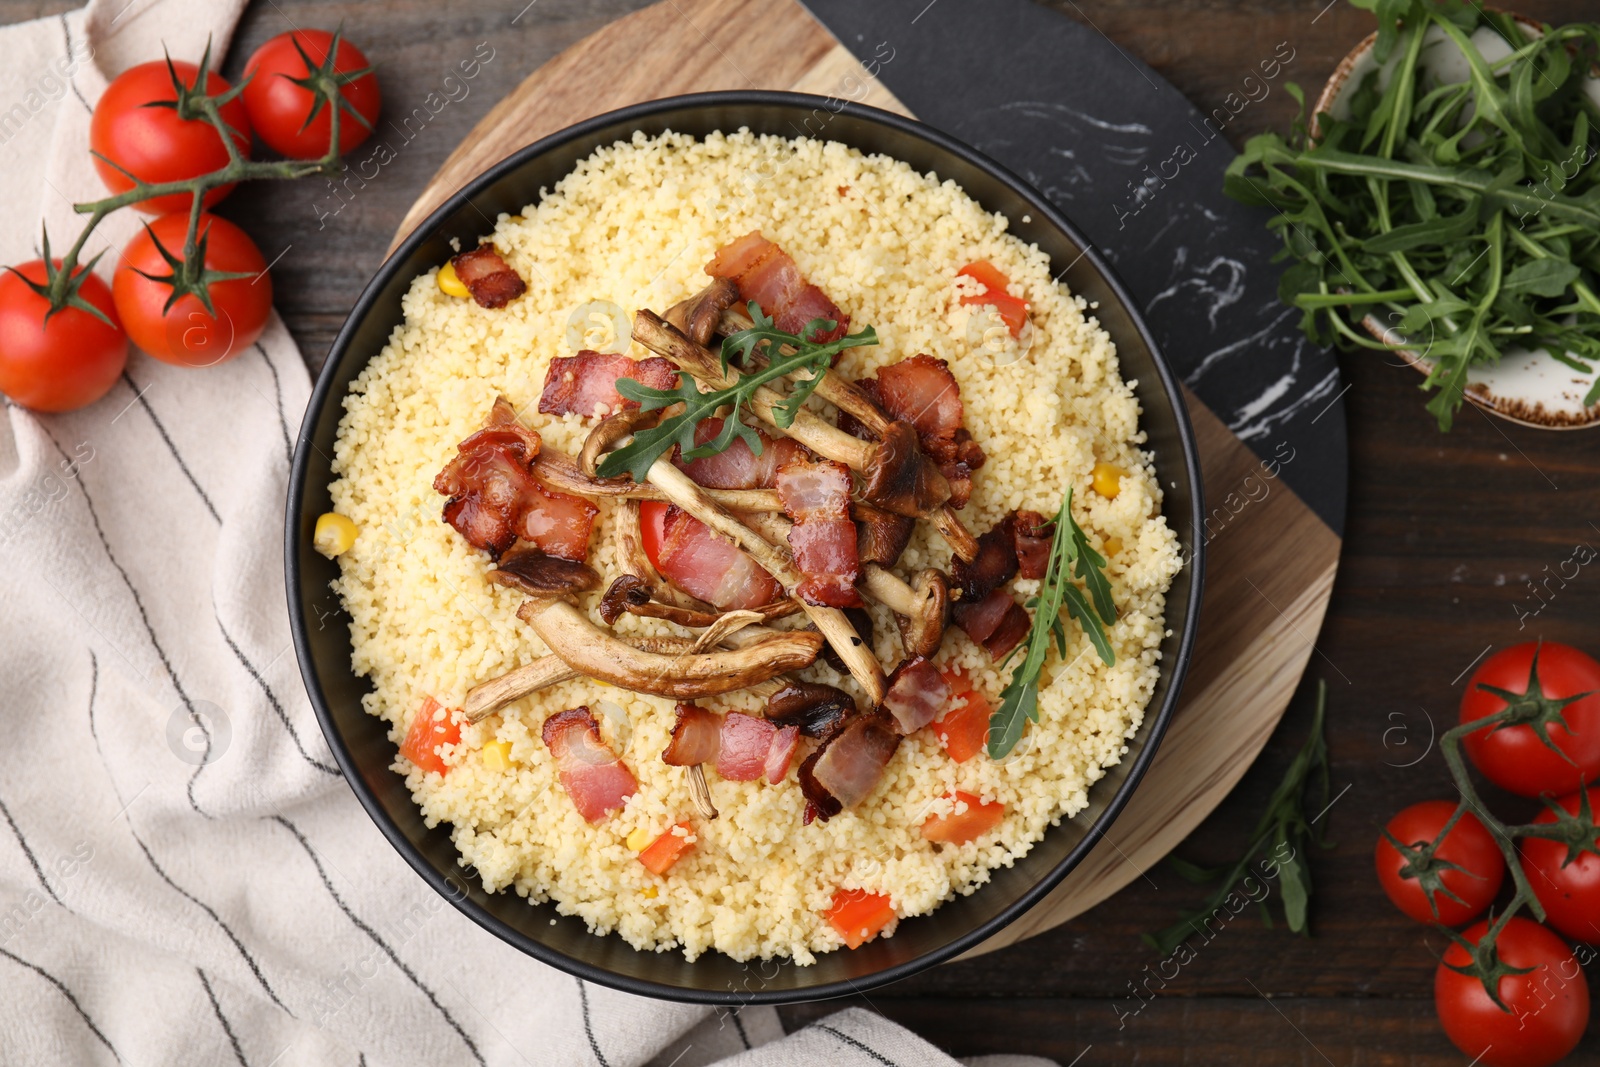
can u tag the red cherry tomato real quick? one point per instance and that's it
(431, 728)
(1549, 1006)
(1569, 891)
(1470, 847)
(153, 143)
(279, 108)
(65, 362)
(187, 334)
(652, 528)
(1513, 757)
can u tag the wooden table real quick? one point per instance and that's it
(1444, 533)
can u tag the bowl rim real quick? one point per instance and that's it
(448, 886)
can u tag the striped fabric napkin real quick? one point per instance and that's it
(184, 876)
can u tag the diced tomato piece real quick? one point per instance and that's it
(957, 829)
(964, 728)
(1012, 310)
(858, 915)
(667, 849)
(426, 733)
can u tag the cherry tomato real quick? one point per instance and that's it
(187, 334)
(65, 362)
(1470, 847)
(1569, 891)
(652, 528)
(1513, 757)
(1549, 1005)
(429, 731)
(153, 143)
(279, 108)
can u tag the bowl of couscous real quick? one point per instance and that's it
(742, 548)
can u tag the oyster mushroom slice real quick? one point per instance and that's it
(683, 675)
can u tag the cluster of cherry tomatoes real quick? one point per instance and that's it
(68, 359)
(1546, 1005)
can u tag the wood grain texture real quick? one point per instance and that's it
(1272, 564)
(1444, 533)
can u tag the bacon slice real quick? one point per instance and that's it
(583, 383)
(922, 391)
(785, 742)
(746, 740)
(737, 467)
(994, 565)
(743, 747)
(487, 480)
(767, 274)
(812, 708)
(703, 565)
(917, 693)
(490, 280)
(696, 737)
(849, 764)
(557, 523)
(596, 780)
(997, 622)
(1033, 534)
(816, 495)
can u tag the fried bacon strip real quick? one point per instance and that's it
(994, 565)
(996, 621)
(742, 747)
(596, 780)
(494, 499)
(737, 467)
(767, 274)
(710, 568)
(917, 693)
(922, 391)
(849, 764)
(816, 495)
(490, 280)
(587, 382)
(1033, 534)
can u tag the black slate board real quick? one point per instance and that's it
(1139, 169)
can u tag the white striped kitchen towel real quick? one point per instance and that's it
(184, 877)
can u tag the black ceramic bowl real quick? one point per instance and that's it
(359, 741)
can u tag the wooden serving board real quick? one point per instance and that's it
(1271, 560)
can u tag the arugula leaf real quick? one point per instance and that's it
(809, 357)
(1069, 553)
(1462, 215)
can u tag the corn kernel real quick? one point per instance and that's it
(650, 893)
(639, 839)
(1108, 479)
(1113, 547)
(450, 283)
(334, 534)
(497, 756)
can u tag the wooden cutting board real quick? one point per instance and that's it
(1270, 560)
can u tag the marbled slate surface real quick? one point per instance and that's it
(1139, 170)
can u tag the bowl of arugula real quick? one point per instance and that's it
(1443, 204)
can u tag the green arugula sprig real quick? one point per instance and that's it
(1462, 217)
(809, 362)
(1285, 828)
(1070, 552)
